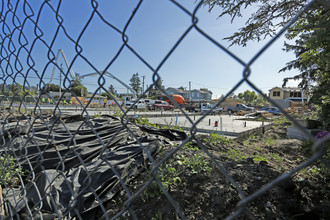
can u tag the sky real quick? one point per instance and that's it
(152, 34)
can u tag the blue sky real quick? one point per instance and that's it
(152, 33)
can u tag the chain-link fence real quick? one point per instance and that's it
(62, 159)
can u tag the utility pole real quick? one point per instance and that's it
(189, 91)
(61, 80)
(143, 84)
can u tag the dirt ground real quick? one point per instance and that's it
(201, 191)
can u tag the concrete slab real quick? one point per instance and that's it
(228, 125)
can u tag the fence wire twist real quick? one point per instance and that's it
(48, 148)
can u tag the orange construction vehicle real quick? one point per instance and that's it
(177, 98)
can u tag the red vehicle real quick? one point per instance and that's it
(162, 105)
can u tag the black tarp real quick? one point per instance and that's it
(71, 163)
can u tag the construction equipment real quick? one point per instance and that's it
(80, 76)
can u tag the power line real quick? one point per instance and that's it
(209, 86)
(181, 83)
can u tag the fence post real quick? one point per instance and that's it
(220, 123)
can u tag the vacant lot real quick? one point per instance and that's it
(202, 191)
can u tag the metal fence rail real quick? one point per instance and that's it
(63, 166)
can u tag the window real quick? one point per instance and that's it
(295, 94)
(276, 93)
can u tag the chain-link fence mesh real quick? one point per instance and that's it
(60, 160)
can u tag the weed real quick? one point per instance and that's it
(168, 176)
(270, 141)
(278, 157)
(259, 149)
(310, 171)
(246, 142)
(97, 115)
(145, 121)
(8, 170)
(235, 155)
(158, 216)
(251, 138)
(195, 163)
(190, 146)
(168, 123)
(118, 113)
(315, 170)
(259, 158)
(216, 138)
(177, 128)
(142, 121)
(281, 121)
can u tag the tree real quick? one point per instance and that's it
(182, 88)
(248, 96)
(310, 33)
(155, 90)
(16, 89)
(112, 90)
(313, 58)
(135, 83)
(77, 88)
(51, 87)
(204, 89)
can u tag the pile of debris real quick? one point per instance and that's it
(70, 166)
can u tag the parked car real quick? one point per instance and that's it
(238, 107)
(149, 103)
(161, 105)
(139, 105)
(273, 110)
(214, 111)
(193, 108)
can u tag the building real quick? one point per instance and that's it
(173, 91)
(196, 94)
(284, 96)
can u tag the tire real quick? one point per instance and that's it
(230, 111)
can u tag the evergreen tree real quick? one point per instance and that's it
(112, 89)
(135, 83)
(155, 90)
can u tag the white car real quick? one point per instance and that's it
(139, 105)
